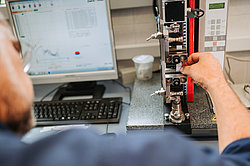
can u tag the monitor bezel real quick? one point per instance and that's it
(77, 76)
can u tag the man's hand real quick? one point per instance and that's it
(232, 117)
(205, 69)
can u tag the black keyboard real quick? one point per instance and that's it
(91, 111)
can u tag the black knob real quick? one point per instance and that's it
(176, 82)
(176, 59)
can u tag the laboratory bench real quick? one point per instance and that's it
(143, 113)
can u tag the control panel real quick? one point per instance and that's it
(216, 12)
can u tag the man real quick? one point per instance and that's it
(80, 147)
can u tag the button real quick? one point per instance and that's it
(44, 119)
(221, 48)
(218, 27)
(56, 119)
(218, 21)
(220, 38)
(213, 27)
(212, 21)
(74, 118)
(208, 49)
(208, 38)
(217, 32)
(114, 115)
(63, 118)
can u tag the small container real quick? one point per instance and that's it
(143, 66)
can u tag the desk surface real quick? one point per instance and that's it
(112, 90)
(146, 112)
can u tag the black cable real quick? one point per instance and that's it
(155, 8)
(52, 91)
(125, 87)
(107, 128)
(125, 103)
(200, 11)
(210, 103)
(245, 89)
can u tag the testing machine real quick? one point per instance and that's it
(178, 34)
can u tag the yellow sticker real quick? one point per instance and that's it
(214, 118)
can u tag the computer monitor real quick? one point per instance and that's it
(71, 40)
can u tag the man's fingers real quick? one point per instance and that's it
(186, 70)
(194, 58)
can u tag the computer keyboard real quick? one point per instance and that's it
(91, 111)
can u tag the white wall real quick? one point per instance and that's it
(239, 25)
(133, 22)
(131, 28)
(238, 43)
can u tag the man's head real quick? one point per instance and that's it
(16, 94)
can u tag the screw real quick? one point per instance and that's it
(187, 115)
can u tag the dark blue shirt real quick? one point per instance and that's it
(85, 148)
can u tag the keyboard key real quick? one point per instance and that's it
(45, 119)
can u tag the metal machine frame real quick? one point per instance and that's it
(173, 24)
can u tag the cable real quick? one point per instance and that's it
(125, 87)
(107, 128)
(210, 103)
(125, 103)
(245, 89)
(155, 8)
(197, 13)
(229, 66)
(130, 91)
(52, 91)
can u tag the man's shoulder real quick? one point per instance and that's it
(238, 152)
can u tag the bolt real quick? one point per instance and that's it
(187, 115)
(183, 80)
(166, 115)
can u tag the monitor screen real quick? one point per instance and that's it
(71, 40)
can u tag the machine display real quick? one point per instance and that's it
(217, 6)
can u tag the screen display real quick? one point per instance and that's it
(66, 36)
(217, 6)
